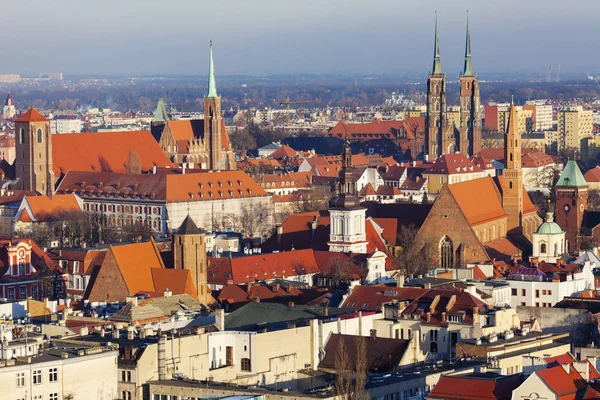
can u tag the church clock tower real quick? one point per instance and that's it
(470, 113)
(571, 192)
(512, 176)
(33, 145)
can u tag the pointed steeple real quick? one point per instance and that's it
(512, 120)
(437, 64)
(160, 114)
(468, 66)
(212, 85)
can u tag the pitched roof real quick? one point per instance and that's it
(501, 249)
(176, 280)
(44, 208)
(373, 297)
(382, 354)
(478, 273)
(452, 164)
(562, 383)
(211, 185)
(478, 199)
(571, 176)
(476, 386)
(181, 129)
(156, 309)
(593, 175)
(31, 115)
(105, 151)
(256, 315)
(284, 151)
(274, 265)
(136, 262)
(188, 227)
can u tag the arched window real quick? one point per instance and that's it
(39, 136)
(342, 226)
(543, 248)
(22, 136)
(510, 185)
(511, 157)
(357, 224)
(447, 253)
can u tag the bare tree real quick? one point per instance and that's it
(350, 380)
(315, 199)
(134, 162)
(415, 258)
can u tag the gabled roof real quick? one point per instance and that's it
(160, 115)
(31, 115)
(44, 208)
(106, 151)
(478, 199)
(181, 129)
(136, 262)
(565, 385)
(373, 297)
(275, 265)
(284, 151)
(571, 176)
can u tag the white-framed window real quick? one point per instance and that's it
(126, 395)
(53, 374)
(37, 377)
(75, 267)
(20, 379)
(53, 396)
(22, 292)
(11, 293)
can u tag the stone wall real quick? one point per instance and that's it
(560, 320)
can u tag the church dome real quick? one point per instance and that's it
(549, 227)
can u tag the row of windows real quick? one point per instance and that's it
(545, 292)
(23, 137)
(10, 293)
(120, 208)
(37, 377)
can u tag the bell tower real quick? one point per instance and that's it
(436, 120)
(512, 176)
(571, 192)
(189, 252)
(33, 145)
(213, 120)
(470, 113)
(348, 219)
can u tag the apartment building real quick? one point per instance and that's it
(574, 124)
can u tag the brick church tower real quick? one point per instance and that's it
(512, 176)
(213, 120)
(189, 252)
(470, 113)
(33, 145)
(571, 192)
(437, 129)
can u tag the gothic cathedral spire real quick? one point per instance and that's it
(470, 104)
(212, 85)
(468, 70)
(437, 64)
(439, 139)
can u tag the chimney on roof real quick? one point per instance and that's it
(84, 331)
(427, 285)
(130, 332)
(583, 367)
(567, 367)
(313, 229)
(183, 168)
(220, 319)
(373, 333)
(102, 331)
(428, 316)
(133, 300)
(279, 229)
(443, 317)
(115, 332)
(291, 304)
(400, 280)
(167, 293)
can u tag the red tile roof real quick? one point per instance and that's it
(373, 297)
(44, 208)
(31, 115)
(136, 262)
(478, 199)
(478, 273)
(565, 385)
(284, 151)
(181, 129)
(106, 151)
(593, 175)
(452, 164)
(474, 387)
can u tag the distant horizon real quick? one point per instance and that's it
(269, 37)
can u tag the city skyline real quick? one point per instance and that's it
(301, 37)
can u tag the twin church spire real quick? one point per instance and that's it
(437, 63)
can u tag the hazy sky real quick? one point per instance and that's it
(287, 36)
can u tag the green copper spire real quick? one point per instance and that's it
(160, 115)
(212, 85)
(468, 66)
(437, 65)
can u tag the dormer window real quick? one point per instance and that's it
(22, 268)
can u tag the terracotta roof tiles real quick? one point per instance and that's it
(31, 115)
